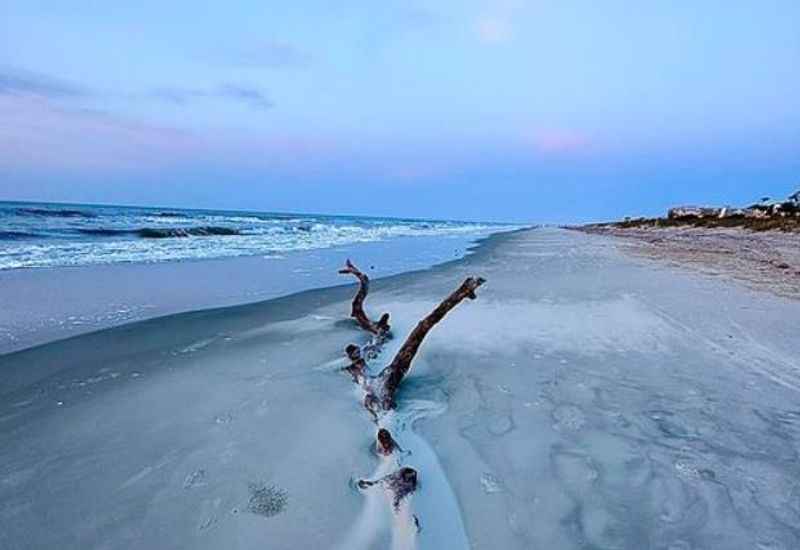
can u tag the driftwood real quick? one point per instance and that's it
(401, 483)
(381, 390)
(357, 363)
(385, 443)
(380, 328)
(392, 375)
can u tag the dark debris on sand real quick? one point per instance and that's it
(267, 500)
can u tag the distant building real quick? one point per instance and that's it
(732, 212)
(766, 208)
(680, 212)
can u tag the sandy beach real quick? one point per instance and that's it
(764, 260)
(586, 399)
(399, 275)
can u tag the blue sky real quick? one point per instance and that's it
(528, 111)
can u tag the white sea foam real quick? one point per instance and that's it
(122, 235)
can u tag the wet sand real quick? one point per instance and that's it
(41, 305)
(586, 399)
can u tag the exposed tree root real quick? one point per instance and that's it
(380, 328)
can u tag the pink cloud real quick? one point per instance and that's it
(559, 141)
(37, 133)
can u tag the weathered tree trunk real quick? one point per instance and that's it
(382, 326)
(392, 375)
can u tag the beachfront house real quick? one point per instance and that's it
(684, 212)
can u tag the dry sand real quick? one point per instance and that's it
(767, 260)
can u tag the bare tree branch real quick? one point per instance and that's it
(392, 375)
(382, 326)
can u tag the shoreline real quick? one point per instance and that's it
(44, 305)
(319, 295)
(762, 260)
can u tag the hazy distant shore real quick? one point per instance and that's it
(767, 260)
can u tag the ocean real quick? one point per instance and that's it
(70, 269)
(34, 235)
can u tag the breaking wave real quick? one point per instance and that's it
(51, 235)
(162, 232)
(170, 232)
(54, 212)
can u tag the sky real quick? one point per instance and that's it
(540, 111)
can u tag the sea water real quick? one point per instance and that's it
(52, 235)
(70, 269)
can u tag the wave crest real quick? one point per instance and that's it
(174, 232)
(54, 213)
